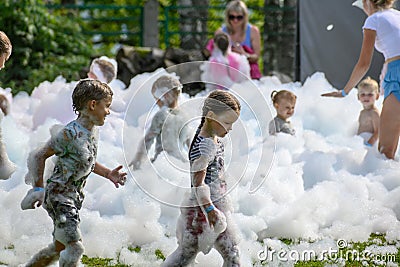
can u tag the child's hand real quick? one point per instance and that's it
(117, 177)
(217, 220)
(212, 217)
(34, 198)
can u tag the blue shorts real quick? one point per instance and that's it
(391, 82)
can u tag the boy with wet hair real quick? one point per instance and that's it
(75, 146)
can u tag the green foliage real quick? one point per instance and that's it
(136, 249)
(100, 262)
(286, 241)
(118, 21)
(159, 255)
(44, 45)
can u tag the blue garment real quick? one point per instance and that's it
(247, 39)
(391, 82)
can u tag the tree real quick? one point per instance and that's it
(193, 20)
(44, 45)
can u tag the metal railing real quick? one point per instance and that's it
(125, 25)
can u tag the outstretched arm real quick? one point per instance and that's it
(115, 176)
(362, 66)
(143, 147)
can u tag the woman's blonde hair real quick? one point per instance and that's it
(238, 7)
(383, 4)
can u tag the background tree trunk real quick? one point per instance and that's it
(288, 39)
(270, 35)
(193, 20)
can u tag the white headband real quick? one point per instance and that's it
(160, 92)
(95, 68)
(358, 3)
(112, 61)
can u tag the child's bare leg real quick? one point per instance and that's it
(389, 127)
(228, 249)
(46, 256)
(185, 253)
(71, 255)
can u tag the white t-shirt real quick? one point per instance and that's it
(386, 23)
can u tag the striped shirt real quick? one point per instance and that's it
(214, 153)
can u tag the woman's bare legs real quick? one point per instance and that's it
(389, 128)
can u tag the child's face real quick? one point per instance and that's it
(367, 97)
(167, 99)
(222, 123)
(91, 75)
(3, 58)
(285, 108)
(99, 109)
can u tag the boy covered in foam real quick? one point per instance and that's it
(168, 126)
(368, 120)
(75, 146)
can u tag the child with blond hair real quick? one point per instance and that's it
(368, 120)
(284, 102)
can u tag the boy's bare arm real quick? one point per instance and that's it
(115, 176)
(375, 125)
(37, 163)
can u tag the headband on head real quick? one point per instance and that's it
(112, 61)
(358, 3)
(95, 68)
(160, 92)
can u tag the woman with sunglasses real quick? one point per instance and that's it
(245, 38)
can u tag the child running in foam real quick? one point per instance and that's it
(284, 102)
(169, 124)
(368, 127)
(205, 220)
(6, 166)
(75, 146)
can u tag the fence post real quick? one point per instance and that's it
(150, 29)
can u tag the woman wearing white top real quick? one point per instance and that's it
(382, 30)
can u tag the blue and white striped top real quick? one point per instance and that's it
(214, 153)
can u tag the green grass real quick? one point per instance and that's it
(351, 255)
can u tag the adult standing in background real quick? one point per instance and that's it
(245, 38)
(382, 30)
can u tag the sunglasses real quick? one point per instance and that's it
(232, 17)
